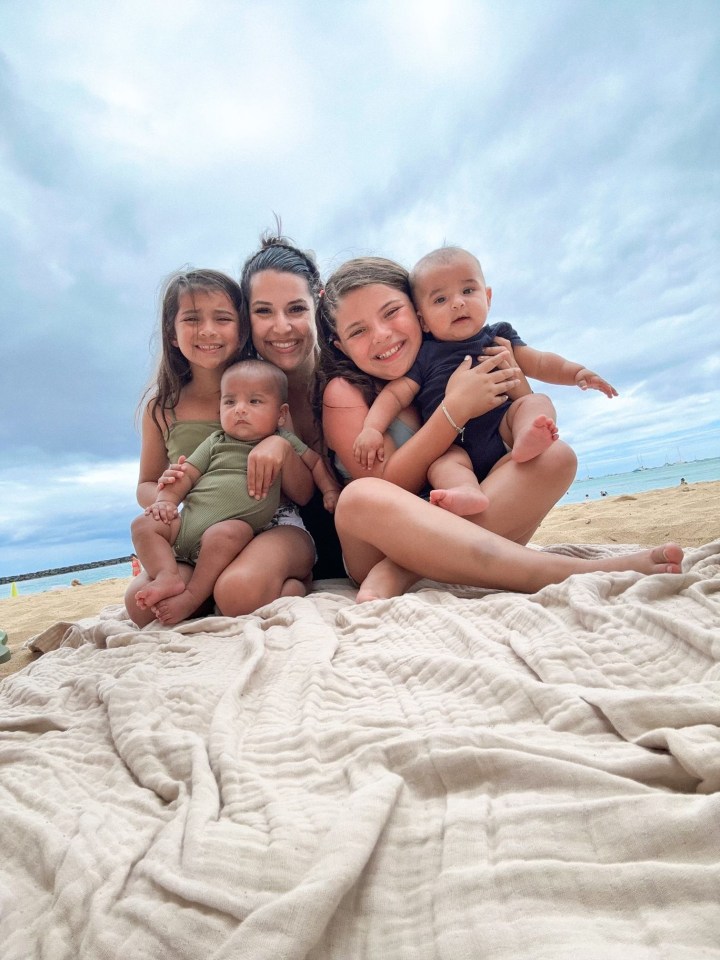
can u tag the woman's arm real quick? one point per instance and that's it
(271, 456)
(153, 460)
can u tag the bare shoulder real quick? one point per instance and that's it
(341, 393)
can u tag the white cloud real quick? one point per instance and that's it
(570, 146)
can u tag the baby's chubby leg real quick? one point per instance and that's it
(455, 486)
(153, 540)
(219, 546)
(528, 427)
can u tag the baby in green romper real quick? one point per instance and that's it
(214, 490)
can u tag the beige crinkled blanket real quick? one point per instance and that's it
(449, 774)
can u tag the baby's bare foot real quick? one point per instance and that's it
(173, 610)
(463, 501)
(530, 443)
(163, 586)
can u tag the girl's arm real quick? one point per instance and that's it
(153, 460)
(502, 344)
(344, 412)
(470, 392)
(274, 455)
(552, 368)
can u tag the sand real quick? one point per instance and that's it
(688, 514)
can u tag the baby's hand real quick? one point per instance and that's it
(586, 379)
(176, 471)
(369, 447)
(163, 510)
(330, 499)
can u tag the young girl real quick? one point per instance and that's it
(391, 537)
(201, 334)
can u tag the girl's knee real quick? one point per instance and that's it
(358, 496)
(565, 457)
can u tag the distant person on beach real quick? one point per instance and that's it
(452, 302)
(215, 494)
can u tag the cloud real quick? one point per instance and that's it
(570, 146)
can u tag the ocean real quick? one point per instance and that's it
(588, 488)
(642, 478)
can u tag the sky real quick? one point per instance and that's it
(572, 145)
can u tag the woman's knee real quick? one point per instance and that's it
(257, 576)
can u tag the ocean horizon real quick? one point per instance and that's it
(638, 480)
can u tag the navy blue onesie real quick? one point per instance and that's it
(435, 363)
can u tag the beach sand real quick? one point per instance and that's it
(689, 514)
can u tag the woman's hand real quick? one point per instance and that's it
(176, 471)
(472, 391)
(265, 463)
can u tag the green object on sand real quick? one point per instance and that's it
(4, 652)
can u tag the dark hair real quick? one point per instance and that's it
(353, 275)
(280, 253)
(174, 371)
(265, 369)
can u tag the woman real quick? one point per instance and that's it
(390, 537)
(281, 289)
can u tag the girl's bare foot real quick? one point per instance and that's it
(163, 586)
(533, 441)
(386, 579)
(664, 559)
(464, 501)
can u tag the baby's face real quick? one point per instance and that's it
(250, 406)
(451, 298)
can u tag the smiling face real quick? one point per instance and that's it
(282, 318)
(251, 406)
(451, 297)
(378, 330)
(207, 328)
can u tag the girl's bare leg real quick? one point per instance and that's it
(275, 563)
(529, 426)
(376, 519)
(522, 494)
(219, 546)
(455, 486)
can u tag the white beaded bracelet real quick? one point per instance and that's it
(459, 430)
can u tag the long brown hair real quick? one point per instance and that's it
(173, 370)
